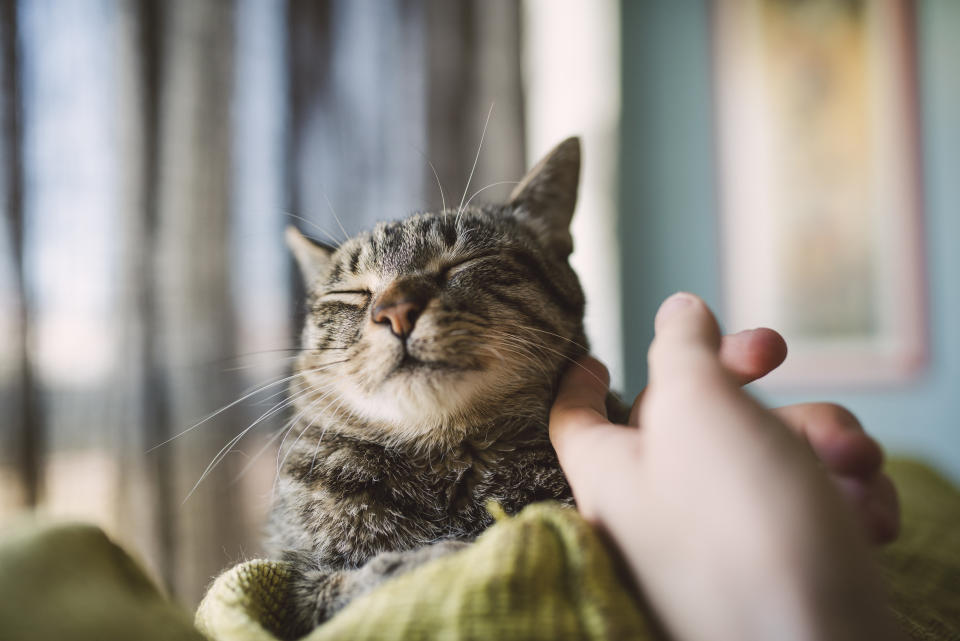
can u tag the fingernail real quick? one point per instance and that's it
(672, 305)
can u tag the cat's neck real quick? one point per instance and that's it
(511, 428)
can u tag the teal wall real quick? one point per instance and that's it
(669, 218)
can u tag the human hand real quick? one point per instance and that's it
(852, 459)
(716, 505)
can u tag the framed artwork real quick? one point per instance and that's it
(819, 184)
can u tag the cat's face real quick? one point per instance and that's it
(438, 320)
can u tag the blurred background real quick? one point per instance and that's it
(153, 151)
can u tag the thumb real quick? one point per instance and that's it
(580, 403)
(592, 451)
(686, 341)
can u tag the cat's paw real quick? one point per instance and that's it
(315, 594)
(387, 565)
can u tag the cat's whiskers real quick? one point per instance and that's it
(228, 406)
(285, 431)
(271, 397)
(476, 159)
(303, 412)
(241, 368)
(529, 356)
(276, 408)
(462, 236)
(278, 350)
(308, 409)
(543, 331)
(346, 236)
(318, 367)
(280, 462)
(336, 241)
(493, 350)
(225, 450)
(316, 450)
(297, 351)
(560, 354)
(289, 424)
(255, 457)
(287, 427)
(482, 189)
(517, 349)
(531, 344)
(443, 201)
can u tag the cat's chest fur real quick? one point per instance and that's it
(346, 499)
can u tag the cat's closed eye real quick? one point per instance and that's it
(358, 297)
(450, 270)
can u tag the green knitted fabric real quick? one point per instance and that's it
(922, 569)
(543, 574)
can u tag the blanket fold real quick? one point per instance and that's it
(72, 582)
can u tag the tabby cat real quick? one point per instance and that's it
(430, 356)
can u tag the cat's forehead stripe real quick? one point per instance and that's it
(355, 259)
(449, 232)
(337, 272)
(409, 245)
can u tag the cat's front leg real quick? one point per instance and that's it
(314, 594)
(387, 565)
(318, 593)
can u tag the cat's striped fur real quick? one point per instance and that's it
(431, 353)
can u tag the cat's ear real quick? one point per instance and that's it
(547, 195)
(312, 257)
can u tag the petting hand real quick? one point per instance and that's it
(853, 460)
(729, 524)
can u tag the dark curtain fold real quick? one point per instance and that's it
(146, 498)
(22, 440)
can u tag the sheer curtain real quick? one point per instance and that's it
(152, 153)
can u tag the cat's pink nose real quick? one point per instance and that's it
(402, 315)
(402, 303)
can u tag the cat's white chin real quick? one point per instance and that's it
(414, 404)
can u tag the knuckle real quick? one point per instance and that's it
(657, 351)
(838, 415)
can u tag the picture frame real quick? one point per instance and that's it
(819, 185)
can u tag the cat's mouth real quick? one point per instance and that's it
(412, 365)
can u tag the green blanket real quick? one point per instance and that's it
(541, 575)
